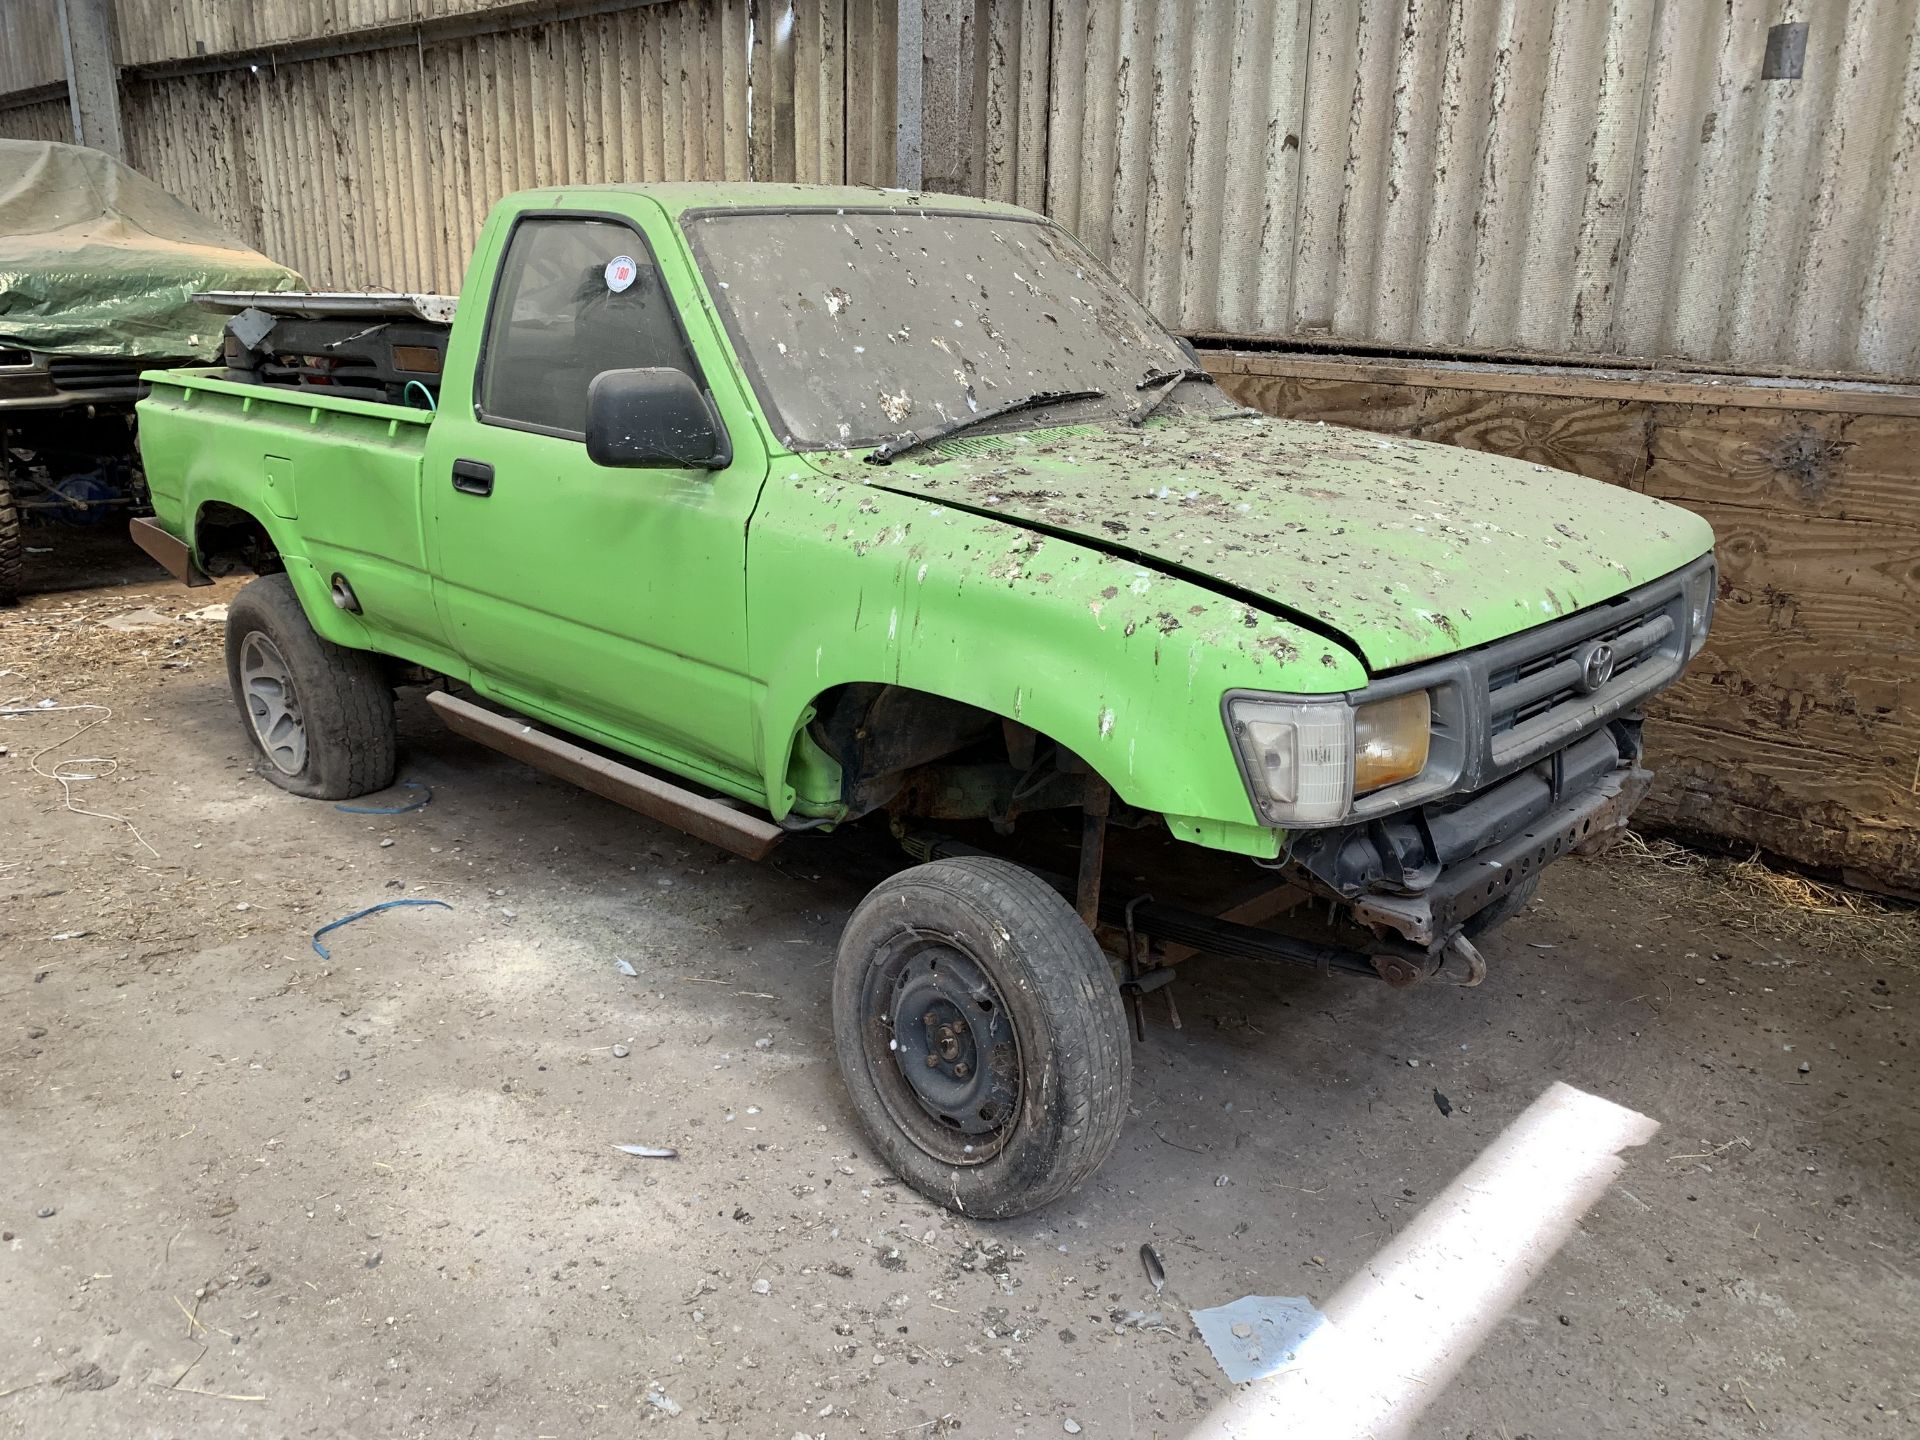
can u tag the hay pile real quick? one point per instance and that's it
(1750, 895)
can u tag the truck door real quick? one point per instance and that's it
(611, 600)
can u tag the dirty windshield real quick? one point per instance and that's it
(861, 325)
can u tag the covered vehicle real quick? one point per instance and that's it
(98, 269)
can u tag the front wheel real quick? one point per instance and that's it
(319, 716)
(981, 1035)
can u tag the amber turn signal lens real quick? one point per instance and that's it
(1390, 739)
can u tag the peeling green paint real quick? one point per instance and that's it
(1124, 666)
(1412, 550)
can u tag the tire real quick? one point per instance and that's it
(1503, 909)
(318, 716)
(13, 551)
(1048, 1104)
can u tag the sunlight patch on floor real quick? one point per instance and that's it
(1399, 1330)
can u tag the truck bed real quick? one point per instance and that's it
(339, 472)
(371, 345)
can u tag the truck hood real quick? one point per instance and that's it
(1406, 549)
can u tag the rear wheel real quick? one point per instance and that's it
(981, 1035)
(319, 716)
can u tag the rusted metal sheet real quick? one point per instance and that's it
(702, 816)
(822, 72)
(290, 154)
(1014, 128)
(951, 117)
(43, 120)
(1568, 178)
(1787, 205)
(819, 92)
(30, 54)
(377, 168)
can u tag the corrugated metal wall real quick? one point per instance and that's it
(1606, 178)
(44, 120)
(1564, 177)
(396, 154)
(377, 167)
(30, 53)
(823, 91)
(152, 31)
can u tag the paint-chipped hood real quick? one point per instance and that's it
(1409, 550)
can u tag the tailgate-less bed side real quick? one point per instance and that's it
(334, 486)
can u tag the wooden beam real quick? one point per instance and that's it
(1668, 387)
(37, 95)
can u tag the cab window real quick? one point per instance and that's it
(575, 297)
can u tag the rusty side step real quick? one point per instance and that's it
(701, 816)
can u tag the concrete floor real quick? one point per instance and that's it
(378, 1195)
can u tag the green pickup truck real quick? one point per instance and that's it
(763, 508)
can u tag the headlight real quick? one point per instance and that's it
(1306, 759)
(1390, 739)
(1701, 589)
(1299, 757)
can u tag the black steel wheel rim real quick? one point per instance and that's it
(941, 1047)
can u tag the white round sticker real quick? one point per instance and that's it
(621, 271)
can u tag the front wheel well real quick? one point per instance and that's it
(228, 539)
(919, 754)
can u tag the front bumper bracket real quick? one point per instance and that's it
(1583, 824)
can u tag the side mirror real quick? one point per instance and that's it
(653, 417)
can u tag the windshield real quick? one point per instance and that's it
(858, 326)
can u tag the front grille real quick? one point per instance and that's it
(1539, 692)
(1504, 706)
(81, 372)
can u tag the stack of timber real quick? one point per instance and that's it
(1798, 730)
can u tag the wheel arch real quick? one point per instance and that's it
(228, 535)
(1054, 715)
(901, 728)
(1123, 665)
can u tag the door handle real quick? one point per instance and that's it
(473, 477)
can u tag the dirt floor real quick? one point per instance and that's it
(252, 1192)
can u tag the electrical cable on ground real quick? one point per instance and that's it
(103, 765)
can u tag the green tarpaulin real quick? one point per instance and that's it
(96, 259)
